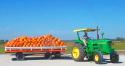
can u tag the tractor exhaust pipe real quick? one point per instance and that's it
(97, 32)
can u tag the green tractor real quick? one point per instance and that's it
(92, 49)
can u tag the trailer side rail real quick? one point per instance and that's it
(36, 49)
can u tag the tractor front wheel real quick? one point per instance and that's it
(114, 57)
(98, 57)
(78, 53)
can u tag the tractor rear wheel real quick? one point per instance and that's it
(114, 57)
(98, 58)
(78, 53)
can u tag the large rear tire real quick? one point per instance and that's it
(114, 57)
(78, 53)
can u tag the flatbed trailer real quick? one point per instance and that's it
(47, 50)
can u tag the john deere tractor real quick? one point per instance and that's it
(92, 49)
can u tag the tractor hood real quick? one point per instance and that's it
(100, 41)
(103, 45)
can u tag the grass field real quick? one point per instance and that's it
(1, 48)
(118, 45)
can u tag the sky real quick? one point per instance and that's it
(61, 17)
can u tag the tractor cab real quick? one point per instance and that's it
(93, 49)
(83, 38)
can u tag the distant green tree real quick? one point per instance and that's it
(120, 39)
(3, 41)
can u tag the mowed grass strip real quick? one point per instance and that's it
(2, 48)
(118, 45)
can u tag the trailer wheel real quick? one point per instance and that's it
(57, 55)
(78, 53)
(114, 57)
(47, 55)
(98, 57)
(19, 56)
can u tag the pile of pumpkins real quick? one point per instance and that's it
(25, 41)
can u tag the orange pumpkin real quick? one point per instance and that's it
(45, 40)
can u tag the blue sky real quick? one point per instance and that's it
(60, 17)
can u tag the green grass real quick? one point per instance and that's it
(119, 45)
(69, 45)
(1, 48)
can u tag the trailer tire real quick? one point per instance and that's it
(20, 56)
(57, 55)
(47, 55)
